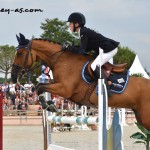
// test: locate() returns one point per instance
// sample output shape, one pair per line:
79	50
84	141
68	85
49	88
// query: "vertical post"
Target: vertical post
1	119
48	97
28	77
62	107
43	79
100	107
109	116
75	110
83	115
123	117
44	128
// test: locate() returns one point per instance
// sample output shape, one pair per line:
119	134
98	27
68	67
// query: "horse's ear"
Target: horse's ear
18	39
22	37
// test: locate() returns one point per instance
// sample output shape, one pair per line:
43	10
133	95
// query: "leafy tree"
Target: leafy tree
2	80
7	56
57	31
124	55
137	75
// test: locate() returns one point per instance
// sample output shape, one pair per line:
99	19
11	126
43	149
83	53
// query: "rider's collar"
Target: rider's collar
79	32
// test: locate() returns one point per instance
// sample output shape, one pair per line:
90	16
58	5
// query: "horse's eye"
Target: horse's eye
19	54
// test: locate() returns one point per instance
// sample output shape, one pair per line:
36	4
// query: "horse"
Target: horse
68	83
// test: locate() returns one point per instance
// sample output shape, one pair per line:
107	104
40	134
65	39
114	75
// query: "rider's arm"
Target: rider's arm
83	45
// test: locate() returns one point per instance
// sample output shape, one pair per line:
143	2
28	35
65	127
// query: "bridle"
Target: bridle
28	49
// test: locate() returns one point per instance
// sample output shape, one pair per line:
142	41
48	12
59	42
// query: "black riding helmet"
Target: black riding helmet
77	18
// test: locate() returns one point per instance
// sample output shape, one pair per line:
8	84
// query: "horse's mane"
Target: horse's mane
44	39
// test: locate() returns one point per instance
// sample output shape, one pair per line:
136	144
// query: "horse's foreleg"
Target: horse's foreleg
40	89
46	104
56	88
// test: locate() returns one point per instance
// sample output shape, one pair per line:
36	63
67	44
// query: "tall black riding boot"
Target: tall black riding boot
97	73
103	76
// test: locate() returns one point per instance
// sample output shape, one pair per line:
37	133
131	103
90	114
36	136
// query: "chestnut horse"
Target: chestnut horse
67	66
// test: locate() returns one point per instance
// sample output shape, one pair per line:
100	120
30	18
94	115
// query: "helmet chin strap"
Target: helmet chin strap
74	27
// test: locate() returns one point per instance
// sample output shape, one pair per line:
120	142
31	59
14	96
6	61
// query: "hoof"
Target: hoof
43	102
39	92
49	106
52	108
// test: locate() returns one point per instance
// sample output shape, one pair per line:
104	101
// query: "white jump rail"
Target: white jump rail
73	120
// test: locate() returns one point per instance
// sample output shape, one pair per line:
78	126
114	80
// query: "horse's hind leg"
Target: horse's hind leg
145	115
142	114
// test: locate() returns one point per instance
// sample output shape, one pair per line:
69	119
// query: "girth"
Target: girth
86	100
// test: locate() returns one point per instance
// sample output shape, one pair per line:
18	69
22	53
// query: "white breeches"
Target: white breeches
105	58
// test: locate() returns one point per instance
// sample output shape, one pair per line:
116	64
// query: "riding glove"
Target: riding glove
66	46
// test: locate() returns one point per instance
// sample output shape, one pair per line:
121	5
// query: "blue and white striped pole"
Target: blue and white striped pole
73	120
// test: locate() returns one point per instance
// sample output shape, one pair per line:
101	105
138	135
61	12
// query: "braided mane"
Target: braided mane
44	39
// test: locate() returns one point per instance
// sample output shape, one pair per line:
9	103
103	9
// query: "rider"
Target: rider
90	40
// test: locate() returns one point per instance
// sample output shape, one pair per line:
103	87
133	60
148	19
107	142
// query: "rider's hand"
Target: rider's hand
66	46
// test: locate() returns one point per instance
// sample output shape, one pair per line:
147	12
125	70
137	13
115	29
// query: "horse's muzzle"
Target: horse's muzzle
15	72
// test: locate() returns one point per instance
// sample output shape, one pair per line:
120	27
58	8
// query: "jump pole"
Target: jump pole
73	120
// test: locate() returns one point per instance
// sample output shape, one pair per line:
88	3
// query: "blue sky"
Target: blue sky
127	21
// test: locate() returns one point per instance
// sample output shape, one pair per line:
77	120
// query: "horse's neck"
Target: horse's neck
44	50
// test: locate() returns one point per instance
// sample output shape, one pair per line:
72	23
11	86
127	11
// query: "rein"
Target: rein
55	58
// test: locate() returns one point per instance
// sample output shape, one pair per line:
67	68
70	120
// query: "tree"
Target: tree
7	56
124	55
57	31
137	75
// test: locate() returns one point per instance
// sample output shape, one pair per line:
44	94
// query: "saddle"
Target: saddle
110	71
108	68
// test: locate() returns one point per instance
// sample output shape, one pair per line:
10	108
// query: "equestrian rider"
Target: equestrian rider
90	41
